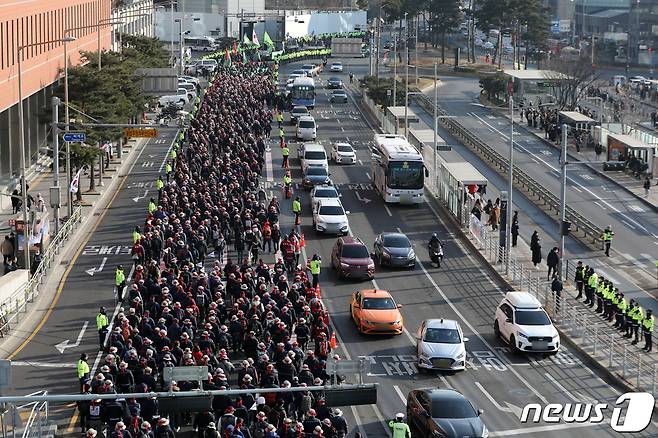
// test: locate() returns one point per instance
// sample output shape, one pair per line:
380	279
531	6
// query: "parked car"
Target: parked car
394	249
350	259
336	66
329	216
190	88
338	96
524	324
443	413
343	153
440	345
375	311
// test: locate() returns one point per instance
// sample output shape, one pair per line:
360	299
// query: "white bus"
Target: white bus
398	170
201	44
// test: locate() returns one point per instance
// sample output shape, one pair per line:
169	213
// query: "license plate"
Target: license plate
540	345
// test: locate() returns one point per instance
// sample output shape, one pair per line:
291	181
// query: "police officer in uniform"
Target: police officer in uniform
597	284
589	292
621	311
101	325
628	322
399	428
607	239
314	265
580	279
647	330
120	281
637	321
83	371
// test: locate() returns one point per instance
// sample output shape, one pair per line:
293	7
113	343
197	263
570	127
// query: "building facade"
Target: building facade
41	25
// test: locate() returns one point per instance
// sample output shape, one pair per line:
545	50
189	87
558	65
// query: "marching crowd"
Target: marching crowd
254	325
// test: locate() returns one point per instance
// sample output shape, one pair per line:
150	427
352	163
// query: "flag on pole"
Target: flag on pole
75	182
235	47
267	40
228	57
245	39
254	38
244	57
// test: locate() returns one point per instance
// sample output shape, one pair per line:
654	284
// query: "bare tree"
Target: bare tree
569	81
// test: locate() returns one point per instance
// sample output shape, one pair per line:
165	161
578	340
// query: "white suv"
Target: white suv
524	324
329	216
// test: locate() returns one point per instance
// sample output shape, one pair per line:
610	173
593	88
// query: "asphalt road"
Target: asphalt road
38	364
464	288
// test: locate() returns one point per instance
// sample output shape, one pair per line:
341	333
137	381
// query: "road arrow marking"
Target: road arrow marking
362	199
62	346
92	271
137	198
513	409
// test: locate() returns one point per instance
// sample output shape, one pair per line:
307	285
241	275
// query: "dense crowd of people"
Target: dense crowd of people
191	303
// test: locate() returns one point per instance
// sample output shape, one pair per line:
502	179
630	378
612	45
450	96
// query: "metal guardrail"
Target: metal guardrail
37	422
579	322
16	304
521	178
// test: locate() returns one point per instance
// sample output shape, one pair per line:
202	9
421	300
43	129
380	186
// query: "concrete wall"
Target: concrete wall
208	25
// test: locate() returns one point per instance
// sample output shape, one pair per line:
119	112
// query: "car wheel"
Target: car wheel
496	329
512	344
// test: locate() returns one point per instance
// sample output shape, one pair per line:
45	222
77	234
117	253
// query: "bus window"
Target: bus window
405	174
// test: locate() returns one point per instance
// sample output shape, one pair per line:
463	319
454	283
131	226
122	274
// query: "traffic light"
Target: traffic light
566	228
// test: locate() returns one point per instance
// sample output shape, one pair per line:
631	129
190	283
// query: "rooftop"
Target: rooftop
534	75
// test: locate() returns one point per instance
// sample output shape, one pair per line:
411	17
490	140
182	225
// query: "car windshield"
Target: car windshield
315	155
405	174
332	210
308	67
442	336
378	303
344	148
397	242
317	170
339	93
326	193
453	408
298	72
300	110
355	252
334	80
336	64
532	317
307	124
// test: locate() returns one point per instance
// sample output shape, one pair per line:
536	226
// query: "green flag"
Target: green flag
267	40
244	57
245	39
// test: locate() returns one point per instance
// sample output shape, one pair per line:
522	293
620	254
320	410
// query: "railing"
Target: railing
522	179
37	422
16	304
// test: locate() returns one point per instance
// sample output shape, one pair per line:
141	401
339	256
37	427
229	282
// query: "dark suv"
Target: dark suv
351	259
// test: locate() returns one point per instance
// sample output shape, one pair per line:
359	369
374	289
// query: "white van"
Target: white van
306	128
177	99
312	154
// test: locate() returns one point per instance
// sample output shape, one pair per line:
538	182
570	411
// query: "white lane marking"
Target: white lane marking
443	379
627	224
493	400
342	129
398	391
26	363
269	174
409	336
535	430
568	393
577	189
368	175
600	205
646	256
575	182
388	210
360	162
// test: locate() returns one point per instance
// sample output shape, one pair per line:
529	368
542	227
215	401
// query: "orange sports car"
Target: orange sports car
375	311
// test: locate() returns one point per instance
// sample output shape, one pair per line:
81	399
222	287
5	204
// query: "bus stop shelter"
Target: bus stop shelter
421	138
623	146
394	119
532	85
460	186
576	120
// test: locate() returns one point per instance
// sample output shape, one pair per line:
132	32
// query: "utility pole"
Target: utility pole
416	47
55	201
510	186
436	119
563	194
379	40
395	70
406	78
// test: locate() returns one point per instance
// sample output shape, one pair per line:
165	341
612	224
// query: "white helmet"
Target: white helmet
399	416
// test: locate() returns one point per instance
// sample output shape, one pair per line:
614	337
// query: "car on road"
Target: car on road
395	250
336	66
443	413
297	112
177	99
440	345
306	128
638	80
343	153
350	259
323	191
292	78
375	311
312	154
189	87
524	324
329	216
338	96
315	175
311	69
334	83
191	79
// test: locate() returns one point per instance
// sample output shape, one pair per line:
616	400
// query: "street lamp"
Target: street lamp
406	76
21	139
180	31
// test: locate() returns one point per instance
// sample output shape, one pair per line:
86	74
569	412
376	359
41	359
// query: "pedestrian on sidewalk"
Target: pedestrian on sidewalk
7	249
535	248
552	261
556	288
41	203
647	187
515	228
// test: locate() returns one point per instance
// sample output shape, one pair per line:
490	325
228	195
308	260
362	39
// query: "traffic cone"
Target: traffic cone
332	341
302	242
318	291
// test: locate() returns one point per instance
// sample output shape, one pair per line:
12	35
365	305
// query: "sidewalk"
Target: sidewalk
627	182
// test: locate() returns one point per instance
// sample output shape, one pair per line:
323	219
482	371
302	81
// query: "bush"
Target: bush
377	90
493	85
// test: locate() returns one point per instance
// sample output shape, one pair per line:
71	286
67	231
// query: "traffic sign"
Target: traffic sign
75	137
188	373
140	132
443	147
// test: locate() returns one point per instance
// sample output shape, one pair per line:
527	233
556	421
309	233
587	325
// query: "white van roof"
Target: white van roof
313	147
522	300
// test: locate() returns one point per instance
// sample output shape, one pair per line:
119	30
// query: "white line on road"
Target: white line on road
360	162
398	391
627	224
568	393
342	129
388	210
577	189
368	175
538	429
21	363
599	204
443	379
268	166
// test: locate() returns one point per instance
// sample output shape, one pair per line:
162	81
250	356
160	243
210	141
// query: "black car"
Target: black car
315	175
394	249
445	413
334	83
338	96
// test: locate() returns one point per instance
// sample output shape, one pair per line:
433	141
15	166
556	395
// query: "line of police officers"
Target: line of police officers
611	304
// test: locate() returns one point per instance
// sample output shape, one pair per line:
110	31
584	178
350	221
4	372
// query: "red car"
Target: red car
351	259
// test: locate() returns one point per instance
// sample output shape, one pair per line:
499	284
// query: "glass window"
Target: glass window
317	171
532	317
392	241
345	148
315	155
326	193
355	252
378	303
332	210
507	310
307	124
405	174
453	407
442	336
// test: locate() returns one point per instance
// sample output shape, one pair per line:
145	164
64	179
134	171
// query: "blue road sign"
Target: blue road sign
75	137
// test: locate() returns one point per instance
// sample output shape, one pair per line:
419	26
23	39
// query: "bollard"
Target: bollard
596	339
623	365
653	380
612	346
639	371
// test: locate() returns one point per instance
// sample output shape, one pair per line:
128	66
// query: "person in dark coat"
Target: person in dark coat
515	228
535	247
553	260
